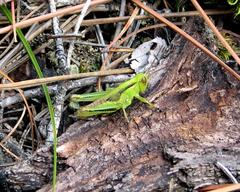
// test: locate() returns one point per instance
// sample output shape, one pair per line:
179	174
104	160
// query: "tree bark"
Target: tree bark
173	146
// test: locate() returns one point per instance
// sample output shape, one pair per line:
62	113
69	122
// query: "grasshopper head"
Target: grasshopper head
142	81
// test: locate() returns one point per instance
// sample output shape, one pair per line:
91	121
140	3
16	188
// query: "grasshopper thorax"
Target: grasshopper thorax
141	81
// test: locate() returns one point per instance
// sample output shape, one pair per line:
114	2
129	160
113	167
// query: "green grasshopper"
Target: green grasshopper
109	101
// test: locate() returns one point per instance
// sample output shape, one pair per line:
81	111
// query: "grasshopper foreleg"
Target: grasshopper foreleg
142	99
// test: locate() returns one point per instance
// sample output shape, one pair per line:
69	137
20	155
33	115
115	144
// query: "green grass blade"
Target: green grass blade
31	55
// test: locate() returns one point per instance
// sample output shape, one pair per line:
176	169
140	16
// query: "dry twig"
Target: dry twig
37	82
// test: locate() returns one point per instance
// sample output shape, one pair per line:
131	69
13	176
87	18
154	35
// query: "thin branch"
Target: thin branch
76	29
62	69
40	81
108	20
100	39
121	13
